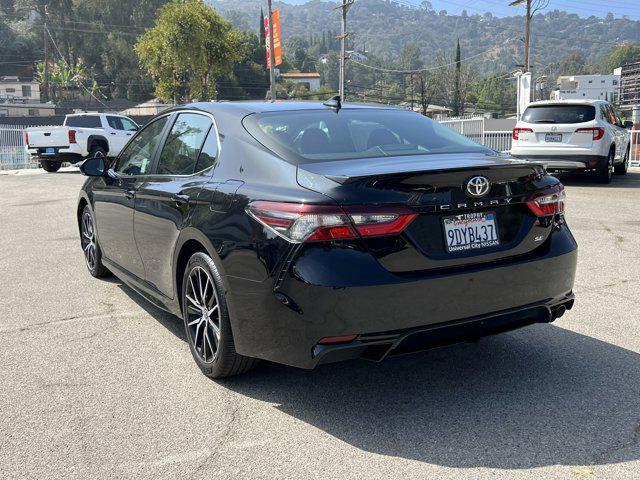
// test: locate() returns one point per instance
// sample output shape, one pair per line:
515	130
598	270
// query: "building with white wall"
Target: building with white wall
594	87
15	90
311	80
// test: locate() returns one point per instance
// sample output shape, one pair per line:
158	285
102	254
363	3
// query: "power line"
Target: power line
427	69
55	45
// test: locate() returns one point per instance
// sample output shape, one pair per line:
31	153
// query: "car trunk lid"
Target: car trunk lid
436	189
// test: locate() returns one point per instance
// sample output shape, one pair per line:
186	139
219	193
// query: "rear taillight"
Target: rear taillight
518	130
597	132
299	223
549	203
72	136
26	138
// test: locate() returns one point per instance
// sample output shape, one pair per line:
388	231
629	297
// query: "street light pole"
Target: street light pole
272	70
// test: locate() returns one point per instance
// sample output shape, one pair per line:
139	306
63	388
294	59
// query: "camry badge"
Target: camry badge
478	186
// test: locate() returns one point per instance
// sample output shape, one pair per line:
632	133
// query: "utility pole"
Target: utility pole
45	33
527	29
343	38
531	6
272	58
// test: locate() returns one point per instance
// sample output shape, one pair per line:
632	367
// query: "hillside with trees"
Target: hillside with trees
405	52
383	27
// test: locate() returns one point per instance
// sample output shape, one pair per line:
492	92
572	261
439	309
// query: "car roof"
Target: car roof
244	108
566	102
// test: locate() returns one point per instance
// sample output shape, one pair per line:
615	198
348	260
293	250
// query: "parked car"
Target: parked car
303	233
574	135
80	136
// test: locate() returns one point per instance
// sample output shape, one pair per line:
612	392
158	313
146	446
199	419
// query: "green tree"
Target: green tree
262	31
621	56
330	71
573	64
188	49
411	57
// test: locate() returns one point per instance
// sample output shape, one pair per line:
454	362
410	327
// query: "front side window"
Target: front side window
181	150
322	135
128	125
136	158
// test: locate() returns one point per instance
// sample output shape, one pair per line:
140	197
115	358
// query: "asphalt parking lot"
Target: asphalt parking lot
95	382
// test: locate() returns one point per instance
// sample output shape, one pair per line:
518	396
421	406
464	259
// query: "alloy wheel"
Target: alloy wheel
203	314
89	240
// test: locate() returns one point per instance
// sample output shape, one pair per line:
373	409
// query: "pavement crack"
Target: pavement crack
61	321
222	440
634	439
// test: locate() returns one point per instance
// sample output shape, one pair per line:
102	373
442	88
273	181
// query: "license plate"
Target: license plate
470	231
553	137
49	150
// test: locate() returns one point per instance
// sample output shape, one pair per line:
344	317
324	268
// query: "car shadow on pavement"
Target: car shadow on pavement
166	319
630	180
536	397
539	396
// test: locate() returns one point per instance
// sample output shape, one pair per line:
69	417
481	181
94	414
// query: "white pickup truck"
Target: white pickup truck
80	136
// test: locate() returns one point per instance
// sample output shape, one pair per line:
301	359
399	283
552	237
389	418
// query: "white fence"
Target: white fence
13	154
634	154
474	128
501	140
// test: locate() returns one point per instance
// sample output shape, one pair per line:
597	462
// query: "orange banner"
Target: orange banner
277	45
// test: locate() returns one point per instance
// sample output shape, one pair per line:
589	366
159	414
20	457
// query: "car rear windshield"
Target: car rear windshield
305	136
84	121
559	114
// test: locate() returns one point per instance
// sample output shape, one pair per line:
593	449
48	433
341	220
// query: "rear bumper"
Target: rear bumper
389	312
71	155
378	346
566	162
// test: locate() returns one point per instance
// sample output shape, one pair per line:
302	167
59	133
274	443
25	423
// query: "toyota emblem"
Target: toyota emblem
478	186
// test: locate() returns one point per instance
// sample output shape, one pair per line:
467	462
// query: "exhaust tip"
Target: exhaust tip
558	312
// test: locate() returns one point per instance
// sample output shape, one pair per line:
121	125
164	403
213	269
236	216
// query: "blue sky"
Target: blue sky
584	8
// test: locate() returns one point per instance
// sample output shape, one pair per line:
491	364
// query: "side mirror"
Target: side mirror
93	167
628	124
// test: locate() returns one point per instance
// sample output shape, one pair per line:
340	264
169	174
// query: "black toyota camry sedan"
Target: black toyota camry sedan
307	233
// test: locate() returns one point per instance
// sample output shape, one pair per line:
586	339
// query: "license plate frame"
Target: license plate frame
553	138
469	226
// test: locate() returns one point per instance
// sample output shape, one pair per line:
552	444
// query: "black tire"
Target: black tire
604	173
50	166
96	151
624	166
90	247
206	321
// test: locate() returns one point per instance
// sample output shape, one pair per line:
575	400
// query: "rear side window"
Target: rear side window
559	114
115	123
323	135
84	121
209	152
181	150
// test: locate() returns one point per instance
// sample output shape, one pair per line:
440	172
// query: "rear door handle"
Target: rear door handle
180	199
